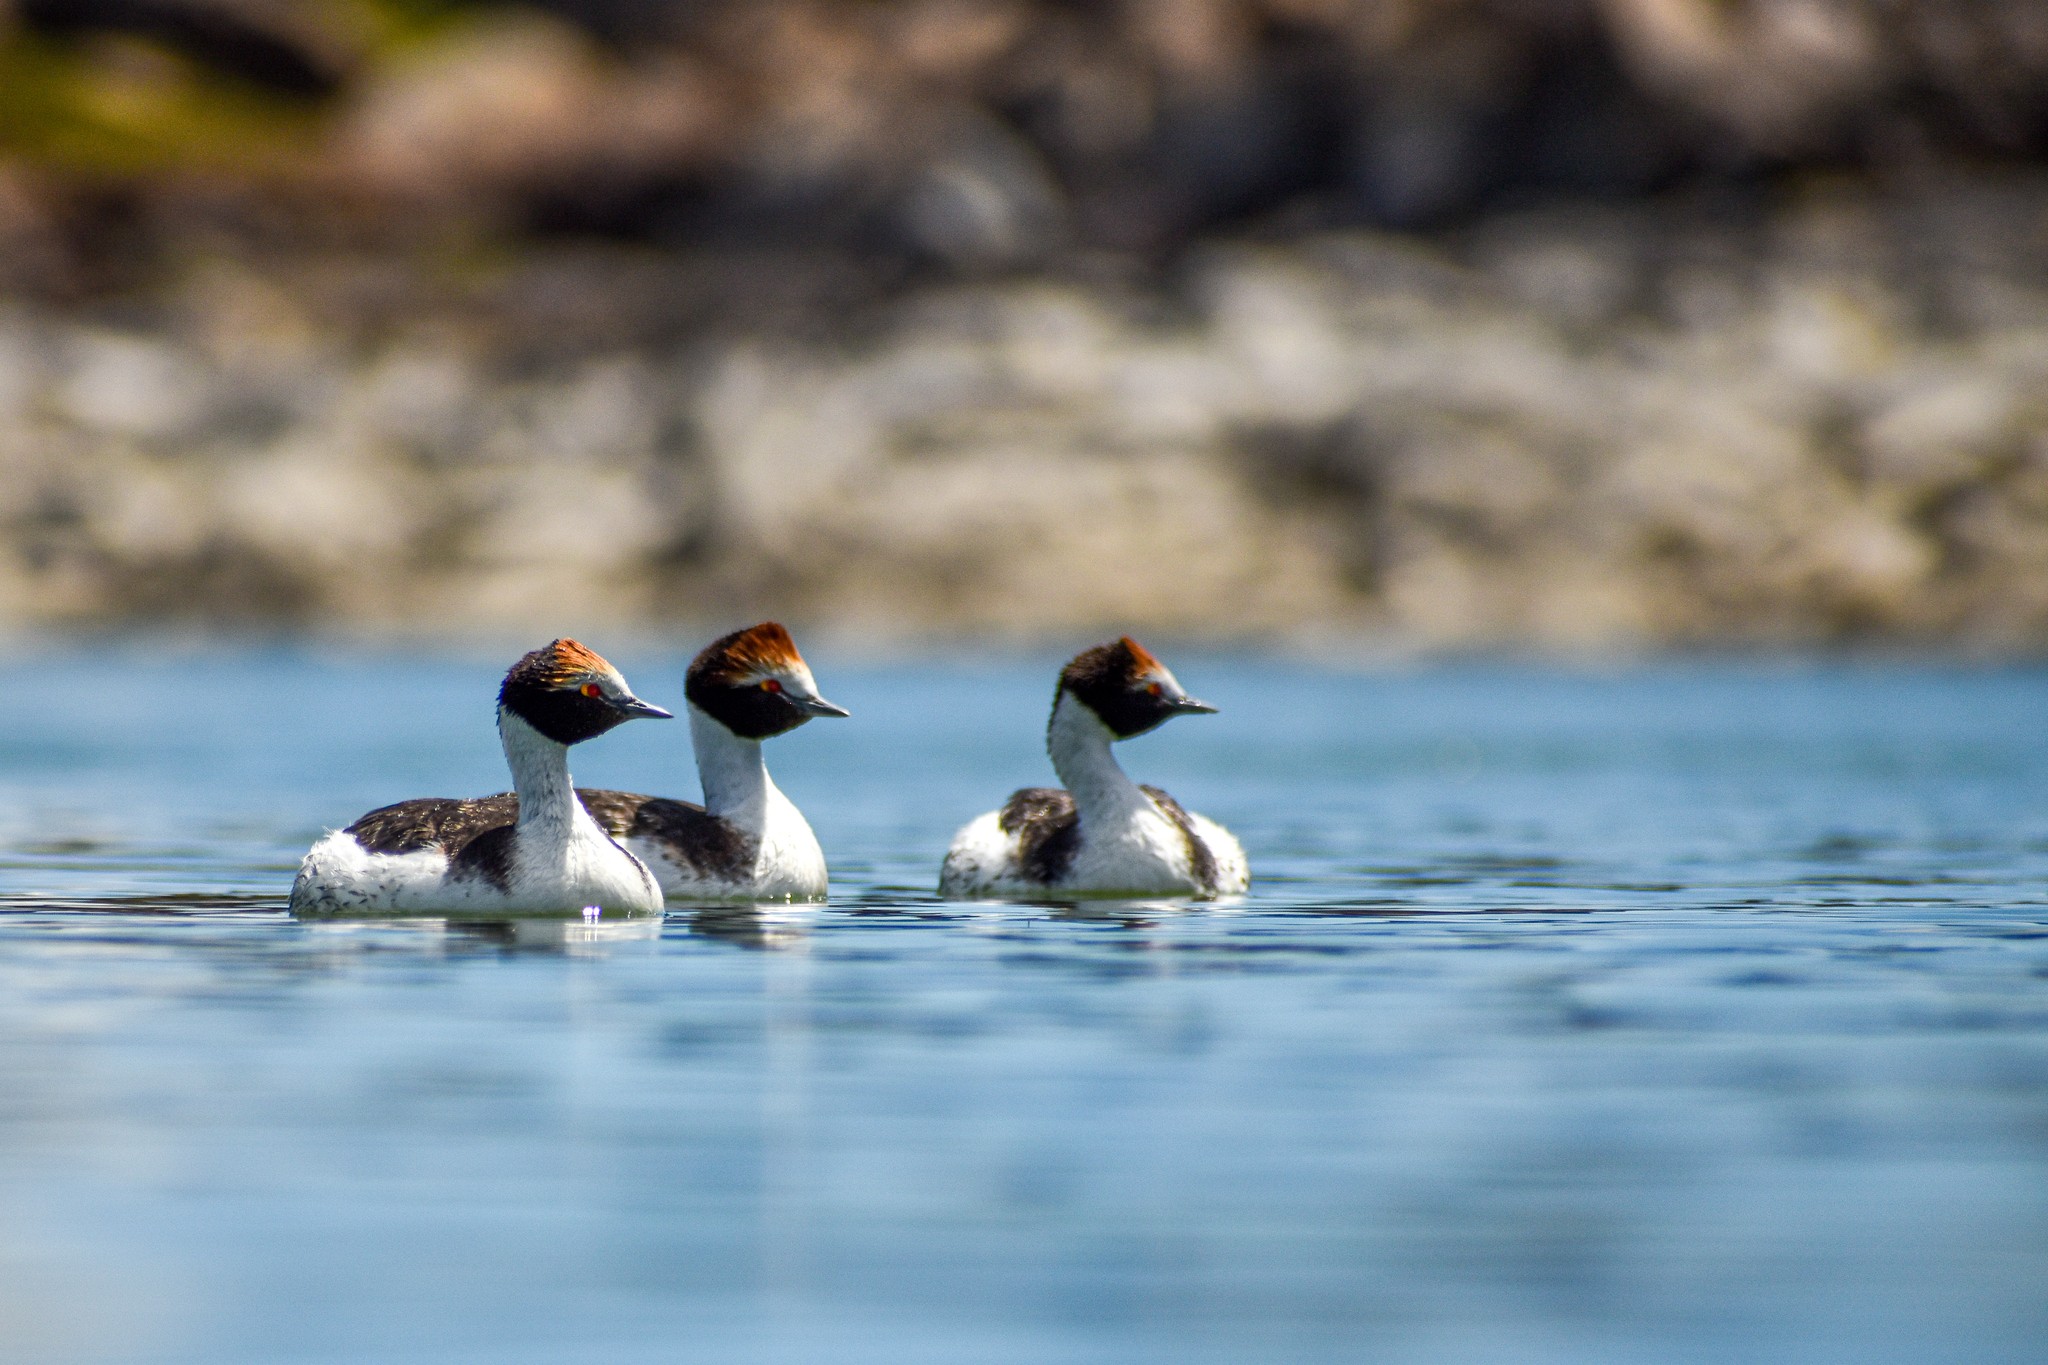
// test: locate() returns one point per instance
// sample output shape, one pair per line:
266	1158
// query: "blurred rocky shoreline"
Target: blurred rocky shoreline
1772	374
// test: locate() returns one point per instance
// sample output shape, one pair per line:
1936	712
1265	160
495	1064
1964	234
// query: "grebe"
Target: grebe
747	841
1103	834
535	849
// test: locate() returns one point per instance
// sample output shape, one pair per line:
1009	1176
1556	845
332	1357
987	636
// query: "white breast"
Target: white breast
340	876
787	864
594	869
1138	851
790	865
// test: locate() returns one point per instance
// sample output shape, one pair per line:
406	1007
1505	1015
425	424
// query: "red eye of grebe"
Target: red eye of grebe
1152	689
770	685
591	690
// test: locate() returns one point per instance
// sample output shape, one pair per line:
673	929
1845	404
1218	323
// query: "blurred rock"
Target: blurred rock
1353	433
986	202
961	132
129	385
1581	323
34	257
296	48
521	109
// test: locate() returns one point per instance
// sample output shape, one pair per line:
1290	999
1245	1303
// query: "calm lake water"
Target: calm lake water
1683	1013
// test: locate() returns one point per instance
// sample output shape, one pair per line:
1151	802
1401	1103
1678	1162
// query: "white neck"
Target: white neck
735	778
548	808
1079	744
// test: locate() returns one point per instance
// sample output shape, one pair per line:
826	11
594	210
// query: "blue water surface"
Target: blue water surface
1695	1012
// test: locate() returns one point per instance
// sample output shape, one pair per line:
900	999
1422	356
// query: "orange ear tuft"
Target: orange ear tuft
1141	658
564	663
765	648
566	660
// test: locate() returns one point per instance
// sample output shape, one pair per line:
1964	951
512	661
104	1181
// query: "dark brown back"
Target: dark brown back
710	847
1047	828
432	822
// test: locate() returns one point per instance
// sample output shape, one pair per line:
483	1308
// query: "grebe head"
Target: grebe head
570	694
1127	688
755	684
